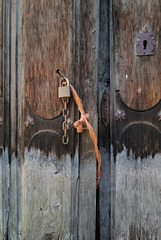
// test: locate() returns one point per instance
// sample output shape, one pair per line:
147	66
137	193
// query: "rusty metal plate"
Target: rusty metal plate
105	108
145	44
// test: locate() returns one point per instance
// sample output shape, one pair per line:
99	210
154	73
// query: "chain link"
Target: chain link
65	125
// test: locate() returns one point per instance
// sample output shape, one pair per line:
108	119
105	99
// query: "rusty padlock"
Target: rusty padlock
64	89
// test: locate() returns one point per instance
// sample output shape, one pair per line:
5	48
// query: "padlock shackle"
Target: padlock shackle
62	78
65	80
60	74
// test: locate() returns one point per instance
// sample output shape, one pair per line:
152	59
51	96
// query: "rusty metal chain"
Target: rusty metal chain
64	93
65	125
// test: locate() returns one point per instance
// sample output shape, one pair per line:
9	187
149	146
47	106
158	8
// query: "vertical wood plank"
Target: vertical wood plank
103	195
20	93
139	74
46	196
48	171
48	34
1	48
12	222
89	86
6	90
44	188
136	173
76	84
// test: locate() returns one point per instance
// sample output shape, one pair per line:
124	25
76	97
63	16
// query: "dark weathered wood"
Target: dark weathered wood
42	180
103	196
1	48
14	212
136	163
1	122
4	166
105	108
89	30
48	183
48	191
48	47
136	77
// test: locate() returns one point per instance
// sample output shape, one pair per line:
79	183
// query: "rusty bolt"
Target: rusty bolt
29	123
120	115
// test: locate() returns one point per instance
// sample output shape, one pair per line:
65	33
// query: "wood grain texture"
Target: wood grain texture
141	139
105	108
1	123
1	200
47	183
48	47
89	30
135	168
103	193
138	197
46	194
49	173
137	78
1	48
5	108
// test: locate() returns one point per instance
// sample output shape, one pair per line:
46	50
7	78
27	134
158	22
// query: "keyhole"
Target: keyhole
145	44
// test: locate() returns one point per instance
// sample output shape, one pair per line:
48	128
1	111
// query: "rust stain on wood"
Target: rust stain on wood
137	78
47	37
105	108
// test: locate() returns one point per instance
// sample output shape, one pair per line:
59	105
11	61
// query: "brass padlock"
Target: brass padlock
64	89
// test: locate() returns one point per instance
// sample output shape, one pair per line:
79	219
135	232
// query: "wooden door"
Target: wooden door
48	190
129	196
136	146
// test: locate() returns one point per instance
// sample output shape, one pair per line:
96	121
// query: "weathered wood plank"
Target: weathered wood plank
89	31
1	48
136	77
44	183
13	221
135	170
46	196
49	173
5	169
103	195
137	205
48	47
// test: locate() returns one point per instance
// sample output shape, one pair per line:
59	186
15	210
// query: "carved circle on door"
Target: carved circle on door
142	139
48	141
47	41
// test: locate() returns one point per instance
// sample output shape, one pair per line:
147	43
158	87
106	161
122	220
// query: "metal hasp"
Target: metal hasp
145	44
